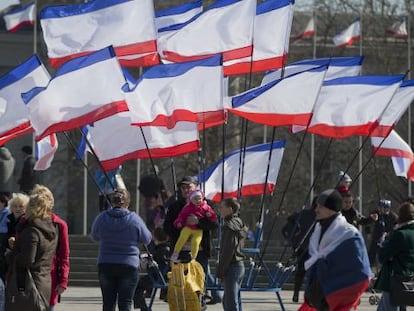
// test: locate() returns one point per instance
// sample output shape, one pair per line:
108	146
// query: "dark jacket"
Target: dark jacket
297	226
29	177
397	255
206	225
34	249
7	164
234	233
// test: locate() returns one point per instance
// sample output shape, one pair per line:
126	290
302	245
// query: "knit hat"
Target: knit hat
331	199
194	193
343	177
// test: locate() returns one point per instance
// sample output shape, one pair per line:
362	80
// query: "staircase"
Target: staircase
84	254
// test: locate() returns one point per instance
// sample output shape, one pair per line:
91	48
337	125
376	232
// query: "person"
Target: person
107	183
119	231
348	210
396	255
160	251
199	208
186	184
28	177
383	220
344	182
17	205
7	167
35	245
230	268
297	232
337	269
60	265
4	213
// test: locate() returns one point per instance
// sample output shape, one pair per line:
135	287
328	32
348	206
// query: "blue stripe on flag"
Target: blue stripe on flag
20	71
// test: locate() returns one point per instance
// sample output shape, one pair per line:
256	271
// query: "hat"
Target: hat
186	180
194	193
27	149
331	199
343	177
384	203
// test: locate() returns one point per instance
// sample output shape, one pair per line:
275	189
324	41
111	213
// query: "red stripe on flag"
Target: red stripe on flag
247	190
256	66
18	131
341	131
349	42
347	298
274	119
388	152
18	26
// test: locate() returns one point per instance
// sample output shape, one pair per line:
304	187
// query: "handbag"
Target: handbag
401	290
27	298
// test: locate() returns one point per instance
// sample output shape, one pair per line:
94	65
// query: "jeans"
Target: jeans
202	258
232	280
118	282
385	303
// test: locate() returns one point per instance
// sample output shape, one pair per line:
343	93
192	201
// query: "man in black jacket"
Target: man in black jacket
28	177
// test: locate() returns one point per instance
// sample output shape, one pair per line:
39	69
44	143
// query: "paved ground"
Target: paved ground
89	299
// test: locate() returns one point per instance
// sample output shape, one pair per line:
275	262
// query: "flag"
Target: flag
226	27
163	97
399	29
308	32
14	115
281	102
45	152
19	17
177	15
68	102
352	105
399	104
338	67
271	34
254	172
75	30
4	4
349	35
116	141
400	152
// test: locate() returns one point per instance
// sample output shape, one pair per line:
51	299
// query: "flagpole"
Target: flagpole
409	77
85	193
360	142
312	159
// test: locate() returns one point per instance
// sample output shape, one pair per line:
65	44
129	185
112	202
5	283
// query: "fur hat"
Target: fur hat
330	199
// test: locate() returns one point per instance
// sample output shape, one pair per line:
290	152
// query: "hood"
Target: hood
116	219
46	226
5	154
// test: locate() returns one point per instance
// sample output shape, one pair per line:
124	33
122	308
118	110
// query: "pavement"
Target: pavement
89	299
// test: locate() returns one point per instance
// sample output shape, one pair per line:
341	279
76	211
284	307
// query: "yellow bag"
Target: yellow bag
185	286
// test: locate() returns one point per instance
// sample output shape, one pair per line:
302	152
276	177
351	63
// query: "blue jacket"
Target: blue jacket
119	232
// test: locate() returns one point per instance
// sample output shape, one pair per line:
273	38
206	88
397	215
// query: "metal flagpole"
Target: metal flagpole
360	138
408	9
312	159
85	193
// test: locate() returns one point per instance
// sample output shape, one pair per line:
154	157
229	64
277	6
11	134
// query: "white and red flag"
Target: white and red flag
281	102
338	67
20	17
352	105
257	159
168	93
400	152
79	29
399	104
271	34
226	27
399	29
14	115
83	90
115	140
308	32
45	152
349	35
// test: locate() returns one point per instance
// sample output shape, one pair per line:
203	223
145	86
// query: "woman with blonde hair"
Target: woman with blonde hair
34	247
17	205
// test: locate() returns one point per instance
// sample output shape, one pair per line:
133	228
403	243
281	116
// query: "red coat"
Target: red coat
201	211
62	257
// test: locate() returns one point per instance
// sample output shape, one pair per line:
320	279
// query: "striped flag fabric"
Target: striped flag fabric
281	102
272	26
226	27
79	29
163	97
14	115
399	29
400	152
256	159
45	152
348	36
308	32
115	140
399	104
338	67
67	102
352	105
17	18
5	4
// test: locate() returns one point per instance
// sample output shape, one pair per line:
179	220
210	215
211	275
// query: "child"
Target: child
199	208
230	268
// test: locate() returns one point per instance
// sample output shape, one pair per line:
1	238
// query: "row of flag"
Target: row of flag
352	33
